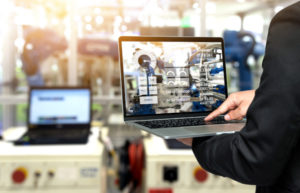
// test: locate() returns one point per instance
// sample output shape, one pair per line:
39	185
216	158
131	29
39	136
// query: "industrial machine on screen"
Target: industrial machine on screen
172	77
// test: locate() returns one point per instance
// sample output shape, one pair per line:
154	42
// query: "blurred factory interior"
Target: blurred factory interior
60	43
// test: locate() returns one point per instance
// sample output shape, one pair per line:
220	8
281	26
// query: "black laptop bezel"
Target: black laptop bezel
165	39
32	127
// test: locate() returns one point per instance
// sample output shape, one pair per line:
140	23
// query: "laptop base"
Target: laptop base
173	144
193	131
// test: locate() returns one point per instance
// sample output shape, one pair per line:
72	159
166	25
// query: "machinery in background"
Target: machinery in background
137	162
39	45
96	46
98	64
98	67
123	156
128	161
167	31
60	168
239	47
177	171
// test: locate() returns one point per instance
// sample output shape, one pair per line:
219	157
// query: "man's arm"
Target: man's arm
259	152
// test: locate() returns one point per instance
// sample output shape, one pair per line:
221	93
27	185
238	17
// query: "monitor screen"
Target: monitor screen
59	106
172	77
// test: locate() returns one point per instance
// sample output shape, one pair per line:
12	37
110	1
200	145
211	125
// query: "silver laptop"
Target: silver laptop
169	85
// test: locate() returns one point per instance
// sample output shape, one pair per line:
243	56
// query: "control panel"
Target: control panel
49	168
169	171
38	173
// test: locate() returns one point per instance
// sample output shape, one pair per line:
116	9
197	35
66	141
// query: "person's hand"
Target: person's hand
236	105
186	141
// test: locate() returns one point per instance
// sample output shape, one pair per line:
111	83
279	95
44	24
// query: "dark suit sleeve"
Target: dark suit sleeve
259	153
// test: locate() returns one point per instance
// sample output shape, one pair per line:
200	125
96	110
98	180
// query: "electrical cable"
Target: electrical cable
136	160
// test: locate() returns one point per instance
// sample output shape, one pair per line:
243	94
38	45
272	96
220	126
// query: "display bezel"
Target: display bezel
164	39
58	126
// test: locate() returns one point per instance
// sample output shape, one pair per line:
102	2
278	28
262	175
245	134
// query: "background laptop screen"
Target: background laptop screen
172	77
59	106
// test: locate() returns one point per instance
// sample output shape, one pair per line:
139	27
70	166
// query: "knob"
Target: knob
200	174
51	173
37	174
19	175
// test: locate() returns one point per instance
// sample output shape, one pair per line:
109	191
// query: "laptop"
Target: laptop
170	84
58	115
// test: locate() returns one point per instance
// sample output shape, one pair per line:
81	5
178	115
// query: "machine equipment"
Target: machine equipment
176	170
39	45
98	64
55	168
239	46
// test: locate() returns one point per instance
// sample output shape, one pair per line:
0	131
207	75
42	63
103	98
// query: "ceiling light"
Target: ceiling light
195	5
88	19
211	7
88	27
99	19
127	19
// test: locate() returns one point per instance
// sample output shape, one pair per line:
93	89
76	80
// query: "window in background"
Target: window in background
217	24
254	23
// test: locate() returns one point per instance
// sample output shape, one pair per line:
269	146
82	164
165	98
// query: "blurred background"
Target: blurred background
74	42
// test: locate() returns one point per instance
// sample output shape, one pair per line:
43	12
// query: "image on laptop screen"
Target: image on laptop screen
59	106
172	77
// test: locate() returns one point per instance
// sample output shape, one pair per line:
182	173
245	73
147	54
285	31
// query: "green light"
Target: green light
186	22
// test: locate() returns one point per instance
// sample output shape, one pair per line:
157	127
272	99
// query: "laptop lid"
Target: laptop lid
165	77
59	107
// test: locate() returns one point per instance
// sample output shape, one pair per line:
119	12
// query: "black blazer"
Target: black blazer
266	152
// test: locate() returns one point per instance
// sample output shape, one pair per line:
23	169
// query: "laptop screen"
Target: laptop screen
171	77
59	106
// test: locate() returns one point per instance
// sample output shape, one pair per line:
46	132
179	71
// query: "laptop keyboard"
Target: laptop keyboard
58	134
156	124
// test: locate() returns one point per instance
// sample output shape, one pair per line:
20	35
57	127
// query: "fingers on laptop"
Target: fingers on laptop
226	106
231	103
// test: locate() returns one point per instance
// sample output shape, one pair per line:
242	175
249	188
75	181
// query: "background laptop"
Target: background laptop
169	84
58	116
